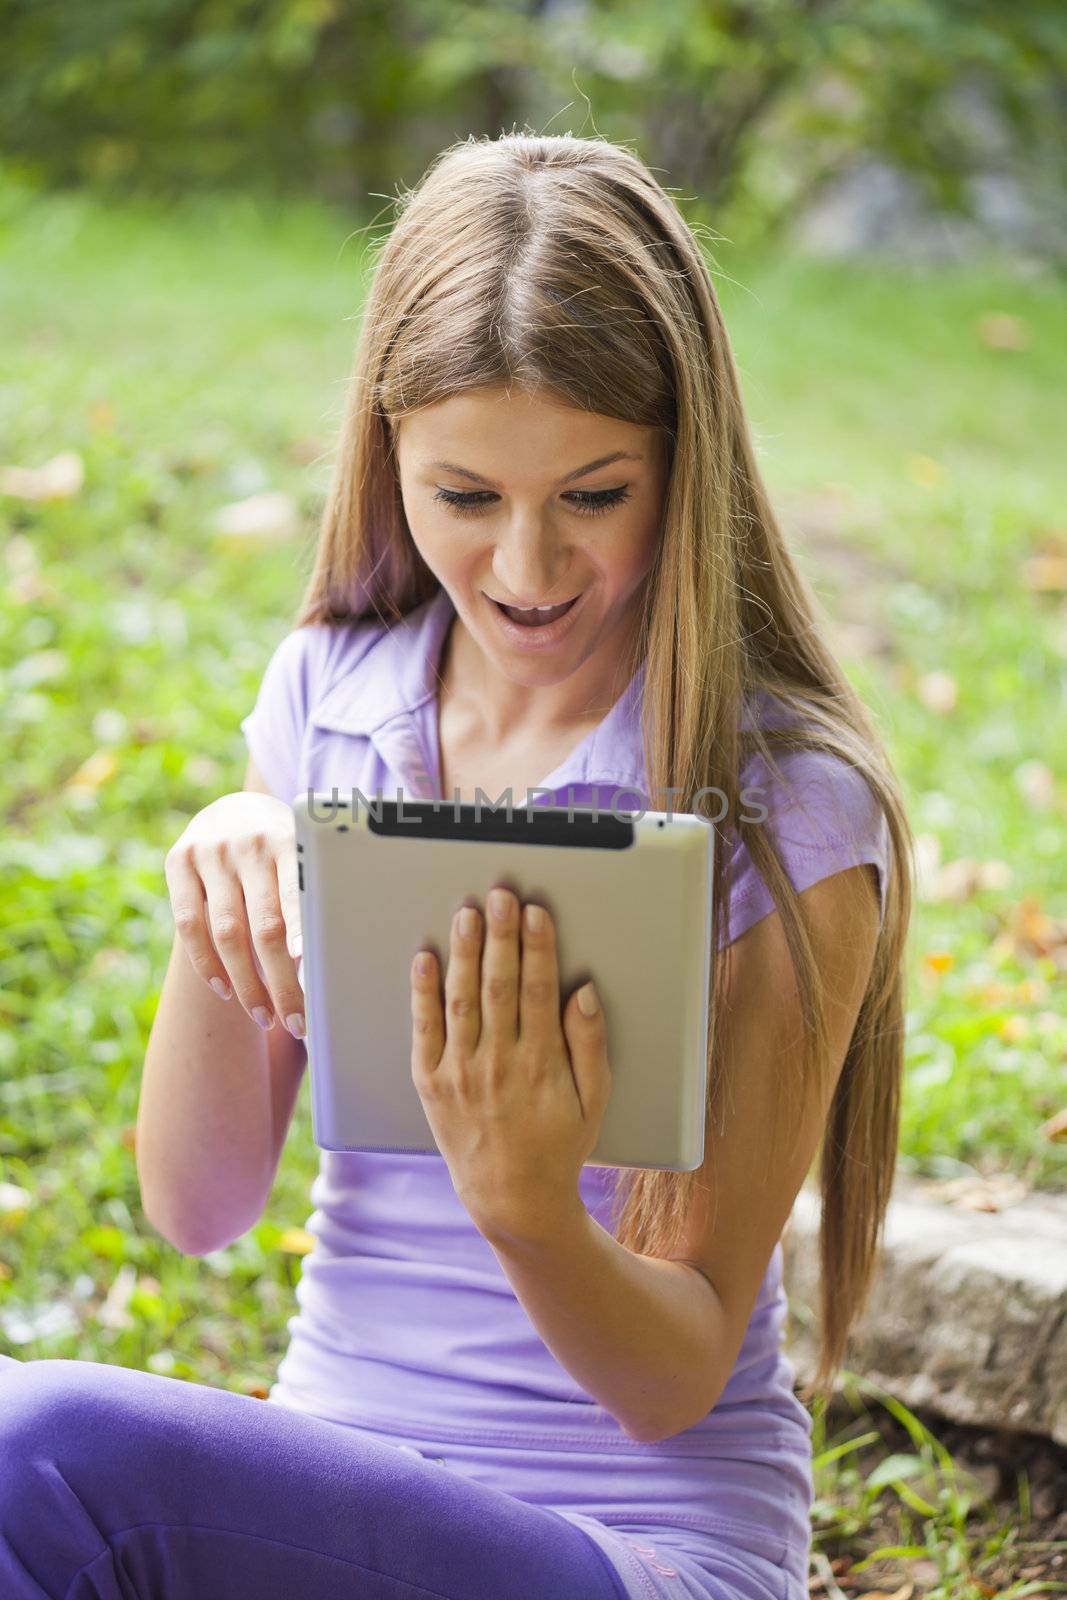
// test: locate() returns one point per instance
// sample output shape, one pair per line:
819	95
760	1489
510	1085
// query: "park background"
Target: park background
187	194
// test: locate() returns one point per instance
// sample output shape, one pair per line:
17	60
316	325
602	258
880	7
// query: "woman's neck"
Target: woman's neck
505	710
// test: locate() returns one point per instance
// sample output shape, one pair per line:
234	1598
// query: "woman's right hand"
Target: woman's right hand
232	878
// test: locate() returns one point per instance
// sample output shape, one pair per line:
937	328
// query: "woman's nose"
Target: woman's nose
530	569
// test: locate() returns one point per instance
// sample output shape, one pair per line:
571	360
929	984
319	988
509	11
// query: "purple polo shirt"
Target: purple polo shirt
408	1329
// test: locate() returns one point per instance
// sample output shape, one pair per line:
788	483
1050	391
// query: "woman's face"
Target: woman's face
509	498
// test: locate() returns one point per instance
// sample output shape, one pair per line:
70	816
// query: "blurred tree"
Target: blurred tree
764	102
750	104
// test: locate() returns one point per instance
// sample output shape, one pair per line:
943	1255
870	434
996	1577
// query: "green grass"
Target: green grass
886	1518
184	356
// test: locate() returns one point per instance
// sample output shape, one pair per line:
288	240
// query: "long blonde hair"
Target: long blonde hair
560	264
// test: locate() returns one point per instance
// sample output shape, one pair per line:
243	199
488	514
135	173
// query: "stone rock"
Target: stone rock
967	1315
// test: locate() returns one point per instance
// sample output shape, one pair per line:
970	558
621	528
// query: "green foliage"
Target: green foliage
745	106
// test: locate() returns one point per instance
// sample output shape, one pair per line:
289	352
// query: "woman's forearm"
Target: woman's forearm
645	1337
213	1112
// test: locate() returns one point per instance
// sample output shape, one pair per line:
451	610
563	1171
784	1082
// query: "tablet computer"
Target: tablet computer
630	899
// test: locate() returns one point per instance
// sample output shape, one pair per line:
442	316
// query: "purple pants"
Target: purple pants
116	1484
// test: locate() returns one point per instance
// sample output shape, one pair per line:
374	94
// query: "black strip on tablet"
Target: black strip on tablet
576	826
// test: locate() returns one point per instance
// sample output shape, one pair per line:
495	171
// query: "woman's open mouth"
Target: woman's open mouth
536	628
536	616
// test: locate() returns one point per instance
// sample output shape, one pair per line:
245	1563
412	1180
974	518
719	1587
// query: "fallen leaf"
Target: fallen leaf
305	451
856	641
991	1195
925	470
959	880
202	770
1055	1127
1036	783
102	416
827	1579
939	691
1025	992
100	767
1046	574
40	666
113	1313
109	959
270	515
58	479
20	554
1001	330
1029	931
975	1193
296	1241
29	588
955	880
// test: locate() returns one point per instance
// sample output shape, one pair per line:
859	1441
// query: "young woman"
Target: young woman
513	1374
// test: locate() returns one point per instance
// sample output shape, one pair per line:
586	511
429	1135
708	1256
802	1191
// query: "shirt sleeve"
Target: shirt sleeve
275	728
823	818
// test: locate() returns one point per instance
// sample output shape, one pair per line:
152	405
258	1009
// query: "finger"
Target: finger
261	868
227	917
189	904
586	1035
539	983
462	1009
285	865
427	1015
500	967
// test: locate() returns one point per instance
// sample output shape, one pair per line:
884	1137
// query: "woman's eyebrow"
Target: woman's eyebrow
579	472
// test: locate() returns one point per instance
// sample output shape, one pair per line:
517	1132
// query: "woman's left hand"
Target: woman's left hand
515	1099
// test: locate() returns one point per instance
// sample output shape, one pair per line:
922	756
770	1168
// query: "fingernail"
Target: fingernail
295	1023
535	918
263	1017
468	921
587	1001
498	904
223	990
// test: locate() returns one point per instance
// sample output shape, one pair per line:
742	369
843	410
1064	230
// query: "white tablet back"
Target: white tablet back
631	902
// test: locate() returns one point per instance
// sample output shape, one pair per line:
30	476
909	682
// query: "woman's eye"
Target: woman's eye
588	501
